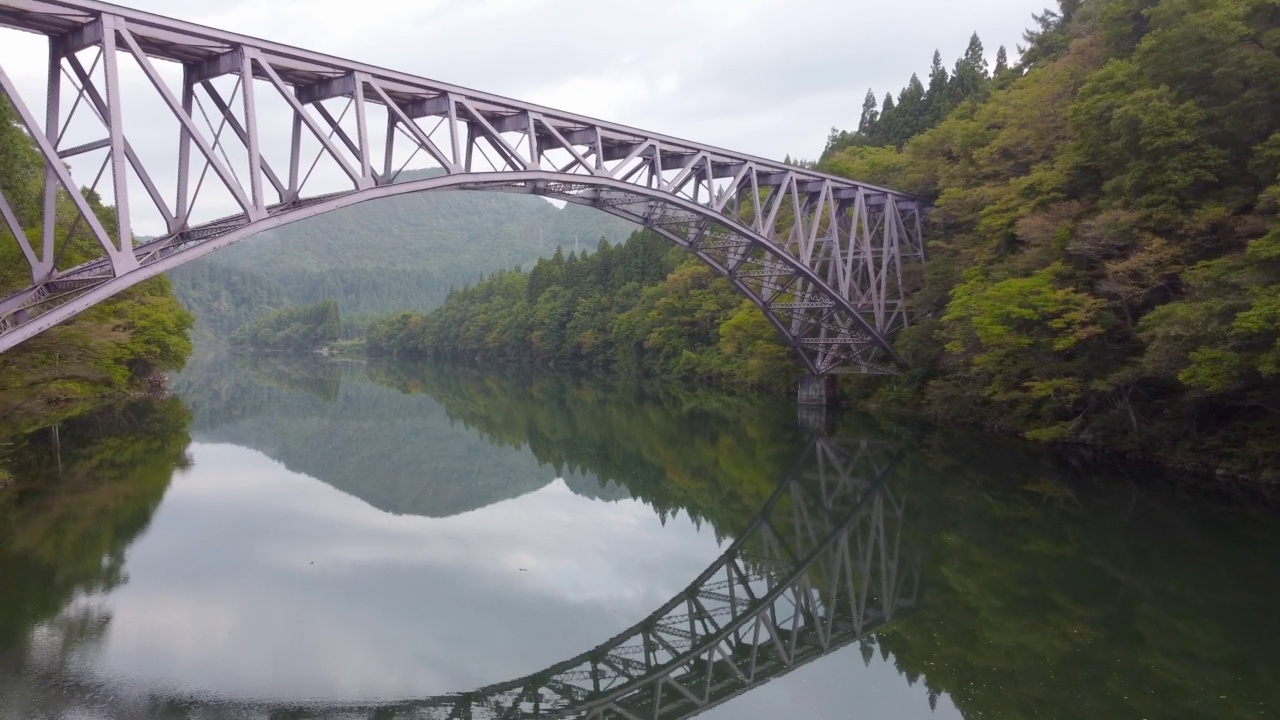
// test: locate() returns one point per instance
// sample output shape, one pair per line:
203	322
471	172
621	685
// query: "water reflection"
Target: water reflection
482	531
85	491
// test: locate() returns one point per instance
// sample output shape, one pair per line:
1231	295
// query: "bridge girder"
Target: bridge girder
822	256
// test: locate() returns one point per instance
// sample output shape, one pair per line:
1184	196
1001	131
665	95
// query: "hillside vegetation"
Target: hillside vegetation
1104	251
398	253
292	329
643	307
112	349
1105	255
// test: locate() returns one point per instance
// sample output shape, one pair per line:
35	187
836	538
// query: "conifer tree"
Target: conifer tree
936	102
970	75
910	112
882	131
870	112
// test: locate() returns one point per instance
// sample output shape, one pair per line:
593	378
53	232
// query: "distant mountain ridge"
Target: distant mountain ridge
400	253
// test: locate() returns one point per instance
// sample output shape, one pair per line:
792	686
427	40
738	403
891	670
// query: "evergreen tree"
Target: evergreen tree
970	75
936	102
1002	62
1049	39
910	112
883	130
870	113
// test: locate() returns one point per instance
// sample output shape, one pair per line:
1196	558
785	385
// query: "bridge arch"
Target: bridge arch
821	256
569	188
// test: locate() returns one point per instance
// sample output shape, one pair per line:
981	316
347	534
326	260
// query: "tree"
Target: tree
870	113
970	74
1050	37
910	115
936	102
885	127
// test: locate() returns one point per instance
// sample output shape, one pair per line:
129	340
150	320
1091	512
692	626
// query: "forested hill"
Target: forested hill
117	347
398	253
1104	250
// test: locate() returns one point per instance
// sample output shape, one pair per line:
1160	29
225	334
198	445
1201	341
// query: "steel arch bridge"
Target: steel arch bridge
819	567
821	256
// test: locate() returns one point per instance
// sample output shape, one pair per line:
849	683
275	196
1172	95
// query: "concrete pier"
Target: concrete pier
815	398
821	390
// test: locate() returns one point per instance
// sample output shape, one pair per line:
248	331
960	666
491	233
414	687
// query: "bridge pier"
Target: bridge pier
823	390
815	396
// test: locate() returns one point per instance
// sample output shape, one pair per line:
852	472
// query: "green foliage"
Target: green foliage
296	329
405	252
918	108
1105	247
83	490
1022	337
639	307
225	298
117	347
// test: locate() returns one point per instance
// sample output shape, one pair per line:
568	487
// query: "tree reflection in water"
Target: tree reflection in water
1042	590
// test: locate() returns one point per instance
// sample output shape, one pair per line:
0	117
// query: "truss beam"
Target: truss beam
824	257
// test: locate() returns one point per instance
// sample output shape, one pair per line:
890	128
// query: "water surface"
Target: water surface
399	540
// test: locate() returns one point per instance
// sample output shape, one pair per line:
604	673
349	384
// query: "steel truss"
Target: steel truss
818	568
823	257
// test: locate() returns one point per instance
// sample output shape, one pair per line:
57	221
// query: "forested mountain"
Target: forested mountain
115	347
1105	255
1104	250
381	256
643	307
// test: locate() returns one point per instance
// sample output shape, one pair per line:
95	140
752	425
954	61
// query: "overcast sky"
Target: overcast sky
766	77
763	76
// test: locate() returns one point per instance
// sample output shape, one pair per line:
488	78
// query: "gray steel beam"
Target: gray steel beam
831	238
215	67
342	86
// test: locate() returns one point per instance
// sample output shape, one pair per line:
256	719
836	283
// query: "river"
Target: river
301	538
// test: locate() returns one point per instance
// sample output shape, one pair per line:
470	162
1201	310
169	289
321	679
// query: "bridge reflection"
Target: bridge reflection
818	567
815	570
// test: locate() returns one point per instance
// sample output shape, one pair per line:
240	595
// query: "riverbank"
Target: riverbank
1203	474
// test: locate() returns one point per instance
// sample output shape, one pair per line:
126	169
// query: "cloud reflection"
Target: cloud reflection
260	583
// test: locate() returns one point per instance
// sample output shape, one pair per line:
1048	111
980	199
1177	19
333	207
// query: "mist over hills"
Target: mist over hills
399	253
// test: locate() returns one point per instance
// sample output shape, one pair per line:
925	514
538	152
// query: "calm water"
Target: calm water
301	539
